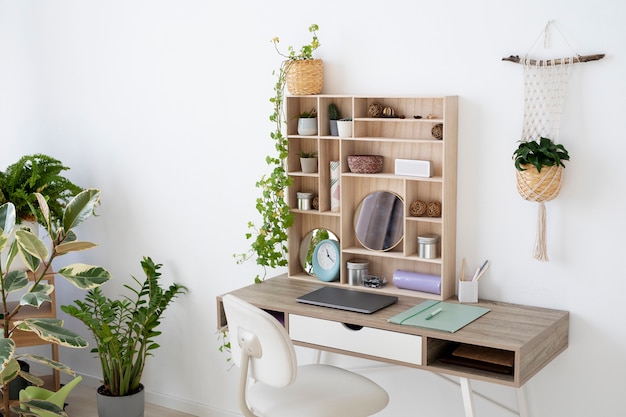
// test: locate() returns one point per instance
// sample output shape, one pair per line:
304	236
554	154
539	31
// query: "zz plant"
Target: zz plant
125	328
269	238
34	292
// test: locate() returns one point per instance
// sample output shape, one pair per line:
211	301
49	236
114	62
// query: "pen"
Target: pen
433	314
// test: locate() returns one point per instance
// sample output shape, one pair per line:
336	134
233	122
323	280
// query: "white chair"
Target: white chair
273	385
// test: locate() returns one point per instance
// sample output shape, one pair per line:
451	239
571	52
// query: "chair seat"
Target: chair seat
319	391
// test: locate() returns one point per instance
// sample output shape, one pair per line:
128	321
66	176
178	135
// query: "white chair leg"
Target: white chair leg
466	392
521	402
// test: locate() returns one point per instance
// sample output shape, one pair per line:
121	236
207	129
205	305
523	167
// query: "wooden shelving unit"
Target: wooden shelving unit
393	138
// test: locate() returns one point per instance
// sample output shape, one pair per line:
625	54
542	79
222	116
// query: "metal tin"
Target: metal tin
304	201
357	270
428	246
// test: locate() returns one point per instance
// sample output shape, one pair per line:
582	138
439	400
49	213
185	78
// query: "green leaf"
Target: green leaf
75	246
32	245
51	330
47	362
7	217
35	299
37	406
7	350
15	281
80	208
9	371
85	276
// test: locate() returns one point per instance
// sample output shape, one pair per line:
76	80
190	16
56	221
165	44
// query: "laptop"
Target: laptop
344	299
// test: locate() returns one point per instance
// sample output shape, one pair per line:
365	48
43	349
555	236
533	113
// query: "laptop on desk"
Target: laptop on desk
350	300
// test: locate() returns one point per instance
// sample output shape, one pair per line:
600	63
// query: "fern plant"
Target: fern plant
125	328
41	174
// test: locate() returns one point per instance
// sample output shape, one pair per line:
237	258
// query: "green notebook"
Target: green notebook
439	315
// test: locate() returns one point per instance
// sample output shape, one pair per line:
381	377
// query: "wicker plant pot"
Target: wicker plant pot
305	77
539	186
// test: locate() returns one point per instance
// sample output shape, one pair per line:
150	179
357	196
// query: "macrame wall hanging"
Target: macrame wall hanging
545	86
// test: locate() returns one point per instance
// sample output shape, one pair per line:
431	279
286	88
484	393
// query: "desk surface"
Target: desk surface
533	336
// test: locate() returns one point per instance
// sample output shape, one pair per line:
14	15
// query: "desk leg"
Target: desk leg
466	391
521	402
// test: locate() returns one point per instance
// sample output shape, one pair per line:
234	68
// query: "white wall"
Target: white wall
145	100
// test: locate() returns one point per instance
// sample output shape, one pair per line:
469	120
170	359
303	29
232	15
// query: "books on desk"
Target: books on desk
439	315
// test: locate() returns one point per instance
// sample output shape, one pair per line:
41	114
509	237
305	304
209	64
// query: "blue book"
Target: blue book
440	315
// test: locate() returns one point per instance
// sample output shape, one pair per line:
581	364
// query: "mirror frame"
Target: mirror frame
307	245
379	236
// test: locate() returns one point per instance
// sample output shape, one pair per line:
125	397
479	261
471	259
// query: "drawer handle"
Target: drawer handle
354	327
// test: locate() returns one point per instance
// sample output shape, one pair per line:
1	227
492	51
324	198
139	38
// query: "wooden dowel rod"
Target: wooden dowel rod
580	58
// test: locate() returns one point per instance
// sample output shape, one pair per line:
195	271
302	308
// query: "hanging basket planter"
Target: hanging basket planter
305	77
537	186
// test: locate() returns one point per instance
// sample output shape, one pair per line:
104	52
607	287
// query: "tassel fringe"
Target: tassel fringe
541	247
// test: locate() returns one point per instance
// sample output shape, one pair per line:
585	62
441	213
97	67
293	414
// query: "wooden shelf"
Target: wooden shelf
393	138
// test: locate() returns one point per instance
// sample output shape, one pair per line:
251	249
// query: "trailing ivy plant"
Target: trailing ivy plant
269	239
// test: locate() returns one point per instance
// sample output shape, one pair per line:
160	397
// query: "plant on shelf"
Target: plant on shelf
311	114
333	116
124	329
33	288
304	154
32	174
269	239
539	154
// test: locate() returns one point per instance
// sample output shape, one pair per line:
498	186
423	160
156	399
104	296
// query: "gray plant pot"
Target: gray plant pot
333	128
128	406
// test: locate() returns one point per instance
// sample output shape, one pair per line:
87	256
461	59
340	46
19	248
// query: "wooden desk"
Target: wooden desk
531	336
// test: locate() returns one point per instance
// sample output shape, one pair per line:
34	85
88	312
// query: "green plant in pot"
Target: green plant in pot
125	330
539	170
33	288
269	237
41	174
307	123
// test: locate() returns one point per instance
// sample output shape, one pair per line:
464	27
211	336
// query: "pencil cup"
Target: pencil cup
468	291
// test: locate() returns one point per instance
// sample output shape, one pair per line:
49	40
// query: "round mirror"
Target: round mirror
379	221
307	246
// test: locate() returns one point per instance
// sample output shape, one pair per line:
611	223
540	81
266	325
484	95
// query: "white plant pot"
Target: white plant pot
344	128
307	126
309	165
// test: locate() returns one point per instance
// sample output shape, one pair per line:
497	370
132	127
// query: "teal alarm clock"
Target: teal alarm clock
326	260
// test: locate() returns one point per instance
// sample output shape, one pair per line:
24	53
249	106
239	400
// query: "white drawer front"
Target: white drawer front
367	341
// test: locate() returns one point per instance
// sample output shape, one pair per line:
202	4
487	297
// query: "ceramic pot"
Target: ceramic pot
128	406
344	128
307	126
309	165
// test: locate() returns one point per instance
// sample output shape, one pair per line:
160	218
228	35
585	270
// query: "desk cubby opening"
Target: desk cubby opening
471	359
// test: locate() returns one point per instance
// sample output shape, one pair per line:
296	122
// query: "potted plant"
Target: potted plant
539	170
303	74
36	291
333	116
531	158
344	127
41	174
308	161
125	330
307	123
269	239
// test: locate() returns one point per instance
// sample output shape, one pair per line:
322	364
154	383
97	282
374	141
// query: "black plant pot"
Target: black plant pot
19	383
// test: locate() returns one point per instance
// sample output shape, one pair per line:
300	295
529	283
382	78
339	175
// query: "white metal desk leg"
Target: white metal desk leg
521	402
466	391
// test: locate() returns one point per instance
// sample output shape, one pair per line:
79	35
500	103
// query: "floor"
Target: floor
82	403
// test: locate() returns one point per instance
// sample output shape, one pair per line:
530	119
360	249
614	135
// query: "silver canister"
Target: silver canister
357	270
428	246
304	201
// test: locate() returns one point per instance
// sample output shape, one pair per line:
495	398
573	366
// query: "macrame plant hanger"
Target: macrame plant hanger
545	86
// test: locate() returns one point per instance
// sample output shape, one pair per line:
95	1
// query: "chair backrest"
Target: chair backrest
275	362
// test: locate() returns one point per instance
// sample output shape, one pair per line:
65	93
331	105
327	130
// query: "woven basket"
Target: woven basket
365	164
305	77
539	186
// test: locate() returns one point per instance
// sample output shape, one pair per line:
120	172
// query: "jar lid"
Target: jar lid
357	264
304	195
428	238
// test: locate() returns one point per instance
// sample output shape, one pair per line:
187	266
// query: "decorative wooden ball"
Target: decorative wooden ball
417	208
434	209
388	112
316	203
437	131
375	110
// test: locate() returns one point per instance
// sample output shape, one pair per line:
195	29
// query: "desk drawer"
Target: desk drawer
367	341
